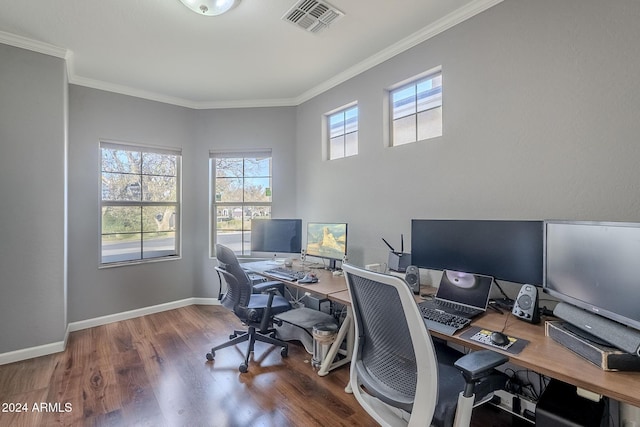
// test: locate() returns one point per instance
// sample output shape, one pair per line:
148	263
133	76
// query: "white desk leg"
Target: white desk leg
346	330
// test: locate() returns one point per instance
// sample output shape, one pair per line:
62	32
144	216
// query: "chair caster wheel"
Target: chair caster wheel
243	368
272	334
284	352
211	355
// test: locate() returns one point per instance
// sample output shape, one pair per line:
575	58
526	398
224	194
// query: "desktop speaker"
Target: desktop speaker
412	277
618	335
526	305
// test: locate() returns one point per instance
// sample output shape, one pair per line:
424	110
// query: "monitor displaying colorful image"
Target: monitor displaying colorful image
327	240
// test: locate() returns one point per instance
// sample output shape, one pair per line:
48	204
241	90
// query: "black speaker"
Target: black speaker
526	305
616	334
412	277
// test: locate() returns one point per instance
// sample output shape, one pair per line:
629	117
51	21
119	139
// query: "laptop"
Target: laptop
462	294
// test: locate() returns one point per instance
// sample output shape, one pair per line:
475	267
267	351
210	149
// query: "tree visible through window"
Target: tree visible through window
241	190
416	110
140	203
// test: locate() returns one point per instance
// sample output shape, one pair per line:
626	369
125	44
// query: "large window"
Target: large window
416	110
343	133
241	191
140	203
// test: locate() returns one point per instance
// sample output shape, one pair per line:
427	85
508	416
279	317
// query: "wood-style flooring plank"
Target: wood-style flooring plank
152	371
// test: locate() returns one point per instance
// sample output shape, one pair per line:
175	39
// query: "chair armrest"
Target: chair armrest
479	364
266	314
274	285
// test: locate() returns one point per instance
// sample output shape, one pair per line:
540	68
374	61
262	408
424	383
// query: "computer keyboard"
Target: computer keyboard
439	321
285	273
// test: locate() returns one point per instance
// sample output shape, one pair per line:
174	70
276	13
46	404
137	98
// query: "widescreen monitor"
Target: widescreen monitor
595	266
507	250
276	236
327	240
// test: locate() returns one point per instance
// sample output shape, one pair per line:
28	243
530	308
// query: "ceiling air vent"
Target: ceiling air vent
312	15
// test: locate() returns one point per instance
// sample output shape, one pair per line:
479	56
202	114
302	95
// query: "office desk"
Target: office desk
327	286
542	354
547	357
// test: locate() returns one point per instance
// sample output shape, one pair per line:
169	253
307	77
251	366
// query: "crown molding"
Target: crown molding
454	18
33	45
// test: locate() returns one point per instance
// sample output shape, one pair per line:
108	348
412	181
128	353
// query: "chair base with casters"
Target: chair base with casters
251	335
254	310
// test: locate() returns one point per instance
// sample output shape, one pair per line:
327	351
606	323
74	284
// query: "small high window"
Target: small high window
416	110
343	133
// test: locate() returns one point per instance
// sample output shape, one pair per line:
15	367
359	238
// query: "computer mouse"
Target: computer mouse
308	278
498	338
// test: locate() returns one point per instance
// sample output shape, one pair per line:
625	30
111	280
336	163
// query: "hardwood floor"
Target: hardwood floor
152	371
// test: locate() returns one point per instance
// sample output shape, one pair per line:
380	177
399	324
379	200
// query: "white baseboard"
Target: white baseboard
31	352
56	347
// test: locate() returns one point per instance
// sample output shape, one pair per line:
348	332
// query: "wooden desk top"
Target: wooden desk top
546	356
327	283
542	354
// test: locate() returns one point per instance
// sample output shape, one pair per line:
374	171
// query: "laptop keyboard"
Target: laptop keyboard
439	321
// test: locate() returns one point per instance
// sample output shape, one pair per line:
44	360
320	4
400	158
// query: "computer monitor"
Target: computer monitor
327	240
276	236
507	250
594	266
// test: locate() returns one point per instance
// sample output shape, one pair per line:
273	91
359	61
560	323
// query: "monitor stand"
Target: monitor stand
332	265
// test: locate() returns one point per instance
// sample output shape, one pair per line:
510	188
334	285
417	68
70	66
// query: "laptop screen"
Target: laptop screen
471	290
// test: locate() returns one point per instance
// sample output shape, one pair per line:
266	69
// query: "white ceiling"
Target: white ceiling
160	50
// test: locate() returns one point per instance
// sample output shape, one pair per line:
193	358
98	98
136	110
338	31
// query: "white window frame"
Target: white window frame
415	111
345	132
175	221
216	205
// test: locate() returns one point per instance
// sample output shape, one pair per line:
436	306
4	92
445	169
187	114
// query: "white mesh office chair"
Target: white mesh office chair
396	363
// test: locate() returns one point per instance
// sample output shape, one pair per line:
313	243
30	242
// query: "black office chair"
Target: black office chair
227	260
396	363
255	310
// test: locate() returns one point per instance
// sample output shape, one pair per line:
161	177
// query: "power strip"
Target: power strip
515	404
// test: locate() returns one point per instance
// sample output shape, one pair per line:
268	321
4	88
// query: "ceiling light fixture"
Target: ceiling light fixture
210	7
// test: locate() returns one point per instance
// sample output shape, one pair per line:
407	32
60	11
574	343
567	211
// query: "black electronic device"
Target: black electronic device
526	305
594	268
499	338
412	277
507	250
327	240
276	236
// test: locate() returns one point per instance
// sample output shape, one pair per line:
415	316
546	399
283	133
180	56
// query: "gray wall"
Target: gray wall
32	192
540	102
96	115
236	129
540	121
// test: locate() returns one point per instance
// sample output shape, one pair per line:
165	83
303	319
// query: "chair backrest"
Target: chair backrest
393	357
239	287
228	260
236	298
